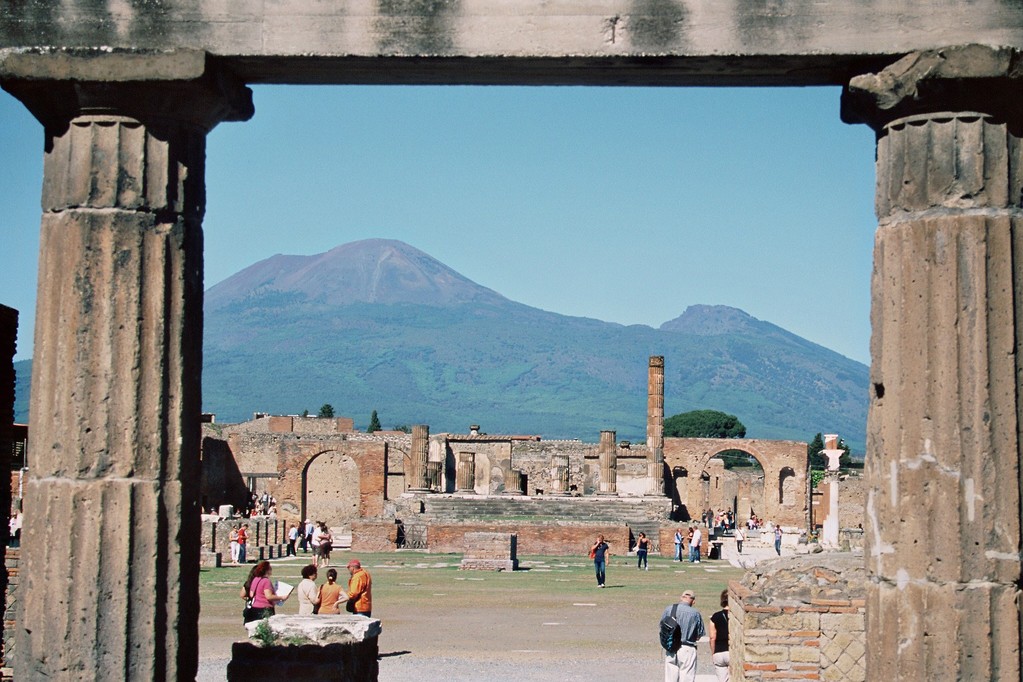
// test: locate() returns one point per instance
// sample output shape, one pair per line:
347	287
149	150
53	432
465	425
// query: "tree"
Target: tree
404	428
327	410
704	424
374	423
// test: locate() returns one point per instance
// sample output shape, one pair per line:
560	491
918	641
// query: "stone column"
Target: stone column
418	482
834	454
512	482
465	474
943	450
559	474
655	425
608	457
433	475
112	513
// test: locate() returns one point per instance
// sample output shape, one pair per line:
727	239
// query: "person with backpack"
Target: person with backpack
681	626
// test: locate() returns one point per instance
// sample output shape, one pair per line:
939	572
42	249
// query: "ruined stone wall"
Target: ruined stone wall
12	563
8	347
534	459
800	618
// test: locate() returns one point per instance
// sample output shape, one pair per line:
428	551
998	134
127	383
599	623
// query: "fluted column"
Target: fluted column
943	449
112	528
608	457
418	482
465	474
559	474
655	425
433	475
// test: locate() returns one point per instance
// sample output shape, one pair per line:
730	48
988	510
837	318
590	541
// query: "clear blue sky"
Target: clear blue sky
621	204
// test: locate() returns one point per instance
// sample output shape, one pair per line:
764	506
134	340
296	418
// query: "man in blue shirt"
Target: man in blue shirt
680	666
600	552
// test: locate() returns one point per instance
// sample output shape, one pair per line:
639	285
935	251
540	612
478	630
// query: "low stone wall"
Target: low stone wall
551	539
800	618
374	536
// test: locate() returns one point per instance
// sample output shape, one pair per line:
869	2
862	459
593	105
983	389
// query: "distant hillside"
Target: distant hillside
379	325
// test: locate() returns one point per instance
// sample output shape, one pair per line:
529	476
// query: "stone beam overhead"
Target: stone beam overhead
794	42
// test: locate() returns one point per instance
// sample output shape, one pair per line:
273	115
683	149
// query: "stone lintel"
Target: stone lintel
101	64
962	78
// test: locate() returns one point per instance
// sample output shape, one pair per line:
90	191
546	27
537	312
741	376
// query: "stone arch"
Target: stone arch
331	488
761	496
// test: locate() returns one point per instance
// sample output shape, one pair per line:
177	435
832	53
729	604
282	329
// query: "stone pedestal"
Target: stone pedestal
943	451
490	552
308	649
115	400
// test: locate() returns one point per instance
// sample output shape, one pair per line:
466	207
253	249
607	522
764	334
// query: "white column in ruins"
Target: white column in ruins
942	524
608	458
465	473
655	425
418	475
831	525
112	530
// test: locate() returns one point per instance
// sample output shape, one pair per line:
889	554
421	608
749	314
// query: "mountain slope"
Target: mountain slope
380	325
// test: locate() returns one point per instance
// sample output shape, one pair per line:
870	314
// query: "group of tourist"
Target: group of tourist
688	543
687	623
315	537
239	538
262	595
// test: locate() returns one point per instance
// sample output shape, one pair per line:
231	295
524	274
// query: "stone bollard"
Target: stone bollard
308	649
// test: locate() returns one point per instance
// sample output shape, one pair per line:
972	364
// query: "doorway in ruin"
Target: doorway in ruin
331	489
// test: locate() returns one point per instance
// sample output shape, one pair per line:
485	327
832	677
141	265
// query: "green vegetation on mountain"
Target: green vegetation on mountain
704	424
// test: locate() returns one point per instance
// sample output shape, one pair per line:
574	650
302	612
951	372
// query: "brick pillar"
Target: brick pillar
111	499
943	450
655	425
608	457
465	474
418	479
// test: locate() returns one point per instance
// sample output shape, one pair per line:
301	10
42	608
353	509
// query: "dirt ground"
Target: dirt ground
547	621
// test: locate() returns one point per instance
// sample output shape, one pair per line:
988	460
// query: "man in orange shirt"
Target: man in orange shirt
360	594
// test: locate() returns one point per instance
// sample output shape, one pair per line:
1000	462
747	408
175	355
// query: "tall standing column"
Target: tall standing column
943	449
655	425
418	482
111	501
608	457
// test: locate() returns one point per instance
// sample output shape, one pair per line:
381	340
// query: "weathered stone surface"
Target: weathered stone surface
342	629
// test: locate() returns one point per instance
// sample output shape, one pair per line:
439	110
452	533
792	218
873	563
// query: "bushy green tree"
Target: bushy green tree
374	423
704	424
404	428
327	410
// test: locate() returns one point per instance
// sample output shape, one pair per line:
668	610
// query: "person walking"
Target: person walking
739	537
642	548
233	538
777	539
292	539
694	546
680	666
360	590
600	553
678	545
718	632
243	539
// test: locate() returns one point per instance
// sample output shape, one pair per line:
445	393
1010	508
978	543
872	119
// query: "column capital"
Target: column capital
201	102
968	78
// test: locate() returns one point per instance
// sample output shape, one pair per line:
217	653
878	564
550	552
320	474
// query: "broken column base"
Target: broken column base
307	649
490	552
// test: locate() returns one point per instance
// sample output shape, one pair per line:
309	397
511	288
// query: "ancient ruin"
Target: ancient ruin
127	93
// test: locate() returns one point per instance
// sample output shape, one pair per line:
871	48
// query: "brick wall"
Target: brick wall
800	619
12	561
554	539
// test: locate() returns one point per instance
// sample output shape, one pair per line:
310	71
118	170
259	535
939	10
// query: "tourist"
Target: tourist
308	592
326	544
739	537
680	666
314	542
262	592
15	528
308	535
777	539
247	614
243	539
292	538
233	537
718	632
331	595
360	592
678	545
694	546
642	547
600	553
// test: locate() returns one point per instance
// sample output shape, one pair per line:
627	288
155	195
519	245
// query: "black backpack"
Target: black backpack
670	632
